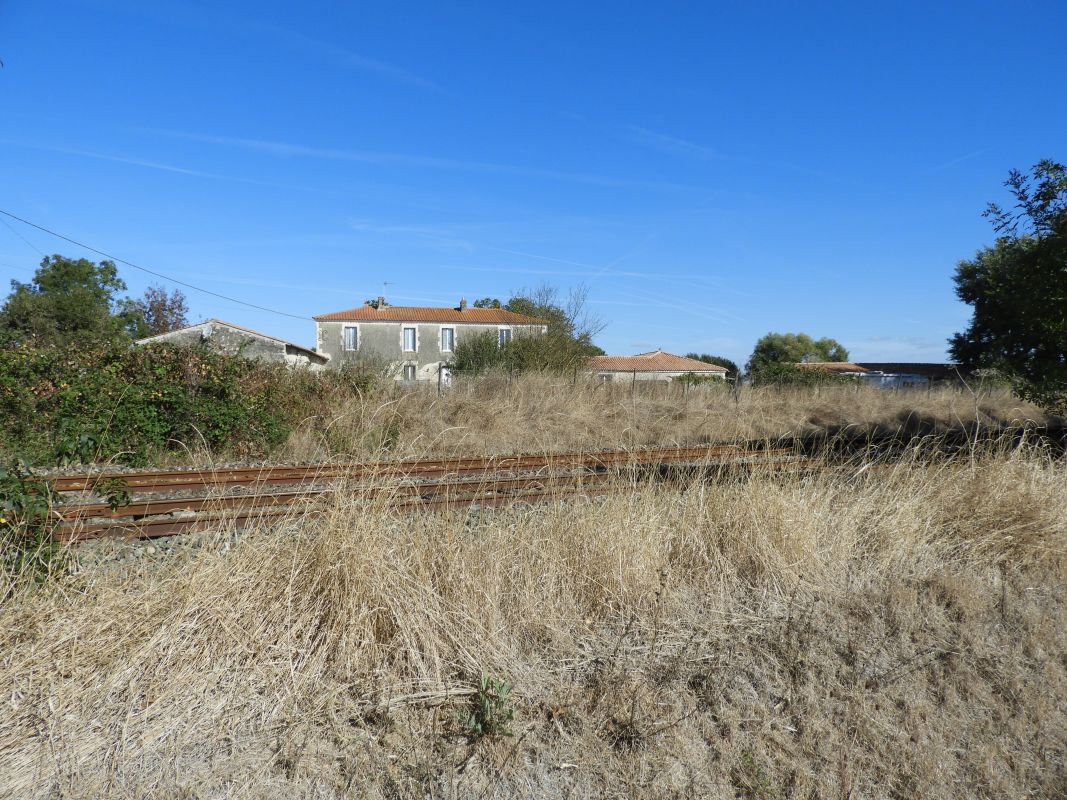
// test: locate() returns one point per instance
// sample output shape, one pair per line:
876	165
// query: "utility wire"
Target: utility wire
145	269
28	243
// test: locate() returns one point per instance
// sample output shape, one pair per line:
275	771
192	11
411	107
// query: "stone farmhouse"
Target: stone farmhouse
417	342
225	337
654	366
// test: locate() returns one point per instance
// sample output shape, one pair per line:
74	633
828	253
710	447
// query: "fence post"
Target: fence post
633	384
439	378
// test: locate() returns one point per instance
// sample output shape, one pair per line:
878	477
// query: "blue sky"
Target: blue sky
711	172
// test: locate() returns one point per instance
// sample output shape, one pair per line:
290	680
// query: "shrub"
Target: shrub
83	404
792	375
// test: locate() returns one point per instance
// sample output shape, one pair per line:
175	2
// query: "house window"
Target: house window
409	372
409	340
351	337
448	340
503	336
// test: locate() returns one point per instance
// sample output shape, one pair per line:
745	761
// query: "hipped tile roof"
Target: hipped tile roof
656	361
475	316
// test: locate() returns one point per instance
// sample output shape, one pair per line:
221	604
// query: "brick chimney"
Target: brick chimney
381	302
462	303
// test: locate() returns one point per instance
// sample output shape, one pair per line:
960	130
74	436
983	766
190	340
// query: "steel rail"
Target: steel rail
79	522
174	480
157	528
72	514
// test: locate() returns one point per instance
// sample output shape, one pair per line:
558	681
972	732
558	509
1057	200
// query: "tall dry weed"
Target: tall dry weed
889	632
496	414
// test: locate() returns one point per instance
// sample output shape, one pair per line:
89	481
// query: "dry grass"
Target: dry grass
533	413
898	633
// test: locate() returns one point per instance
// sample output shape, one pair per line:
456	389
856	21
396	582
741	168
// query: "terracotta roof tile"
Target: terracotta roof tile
656	361
477	316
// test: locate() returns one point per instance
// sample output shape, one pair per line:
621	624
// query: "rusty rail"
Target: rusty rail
175	480
569	474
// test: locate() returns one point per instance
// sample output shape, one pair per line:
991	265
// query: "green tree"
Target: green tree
793	348
1018	289
722	361
67	300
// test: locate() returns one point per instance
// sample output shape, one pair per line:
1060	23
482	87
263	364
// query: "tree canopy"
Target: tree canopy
77	301
1017	289
793	348
67	299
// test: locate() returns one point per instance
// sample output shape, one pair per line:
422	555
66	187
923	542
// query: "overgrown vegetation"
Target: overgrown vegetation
895	630
564	347
795	376
27	549
112	402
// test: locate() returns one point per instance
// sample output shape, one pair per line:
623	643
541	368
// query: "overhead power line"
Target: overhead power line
150	271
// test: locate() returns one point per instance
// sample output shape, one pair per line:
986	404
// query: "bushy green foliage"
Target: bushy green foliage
565	346
1018	290
792	348
722	361
114	401
792	375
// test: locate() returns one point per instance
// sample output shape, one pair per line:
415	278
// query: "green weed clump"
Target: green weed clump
27	547
79	405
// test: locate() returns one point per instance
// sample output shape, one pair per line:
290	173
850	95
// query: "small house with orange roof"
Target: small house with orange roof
654	366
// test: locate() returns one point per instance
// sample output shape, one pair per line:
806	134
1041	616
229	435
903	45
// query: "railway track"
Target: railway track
411	485
172	480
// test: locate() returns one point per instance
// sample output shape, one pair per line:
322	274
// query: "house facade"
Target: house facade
654	366
225	337
416	342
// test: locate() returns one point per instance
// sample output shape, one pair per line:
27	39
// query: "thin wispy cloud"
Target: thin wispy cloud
953	162
344	57
153	165
424	231
705	311
380	158
137	162
213	18
669	144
